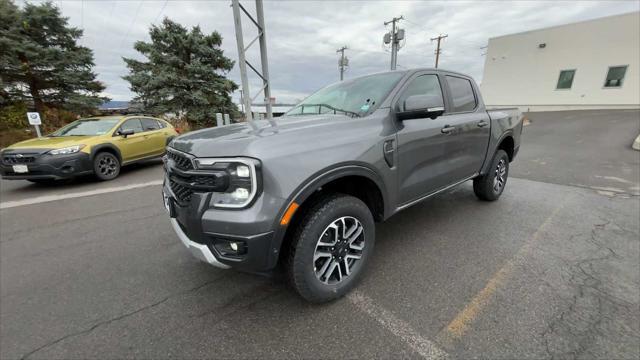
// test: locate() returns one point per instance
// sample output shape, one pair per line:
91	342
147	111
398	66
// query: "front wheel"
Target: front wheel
331	247
490	186
106	166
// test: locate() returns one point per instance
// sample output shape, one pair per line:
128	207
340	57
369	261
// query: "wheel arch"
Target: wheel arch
354	179
95	150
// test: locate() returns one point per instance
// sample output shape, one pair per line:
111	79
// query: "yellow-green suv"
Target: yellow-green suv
98	145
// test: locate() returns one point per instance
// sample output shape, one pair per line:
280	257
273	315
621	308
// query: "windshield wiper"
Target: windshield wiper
320	106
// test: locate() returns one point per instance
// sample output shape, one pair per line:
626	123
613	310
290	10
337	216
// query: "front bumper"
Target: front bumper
203	229
42	165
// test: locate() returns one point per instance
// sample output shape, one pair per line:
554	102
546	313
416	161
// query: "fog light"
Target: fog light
234	246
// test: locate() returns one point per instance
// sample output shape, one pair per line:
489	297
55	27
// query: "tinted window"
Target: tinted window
132	124
422	85
565	80
150	124
615	76
461	94
162	124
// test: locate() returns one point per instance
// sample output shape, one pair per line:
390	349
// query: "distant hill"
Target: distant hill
114	105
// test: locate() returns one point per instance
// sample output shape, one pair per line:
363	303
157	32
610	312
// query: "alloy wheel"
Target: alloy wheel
338	250
107	165
500	176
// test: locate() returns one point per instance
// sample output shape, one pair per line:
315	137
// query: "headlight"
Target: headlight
242	180
67	150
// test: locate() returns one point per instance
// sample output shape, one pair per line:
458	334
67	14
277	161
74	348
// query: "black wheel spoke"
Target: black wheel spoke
338	250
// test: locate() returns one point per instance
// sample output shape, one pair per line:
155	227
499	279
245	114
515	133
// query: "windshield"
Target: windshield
84	127
354	97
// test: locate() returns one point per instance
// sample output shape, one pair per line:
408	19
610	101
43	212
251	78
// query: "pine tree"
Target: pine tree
185	74
41	62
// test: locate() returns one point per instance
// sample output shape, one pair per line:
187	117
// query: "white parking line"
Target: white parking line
426	348
48	198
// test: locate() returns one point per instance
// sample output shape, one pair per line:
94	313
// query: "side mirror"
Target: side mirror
421	106
126	132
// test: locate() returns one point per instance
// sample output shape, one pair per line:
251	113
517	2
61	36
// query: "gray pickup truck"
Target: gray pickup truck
304	191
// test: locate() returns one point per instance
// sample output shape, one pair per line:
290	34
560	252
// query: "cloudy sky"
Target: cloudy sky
303	36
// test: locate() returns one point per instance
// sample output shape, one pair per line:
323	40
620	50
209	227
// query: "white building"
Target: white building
586	65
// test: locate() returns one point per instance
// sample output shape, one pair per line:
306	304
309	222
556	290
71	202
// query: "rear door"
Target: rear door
470	139
425	153
154	137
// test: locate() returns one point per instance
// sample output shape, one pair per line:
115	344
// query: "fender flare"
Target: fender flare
97	148
315	182
492	150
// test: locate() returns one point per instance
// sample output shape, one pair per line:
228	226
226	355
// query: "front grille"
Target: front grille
11	159
182	193
182	162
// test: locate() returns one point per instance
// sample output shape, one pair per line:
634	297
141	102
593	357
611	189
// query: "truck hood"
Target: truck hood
49	142
295	133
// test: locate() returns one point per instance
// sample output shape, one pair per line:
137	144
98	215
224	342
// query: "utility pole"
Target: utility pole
394	38
438	51
243	63
343	62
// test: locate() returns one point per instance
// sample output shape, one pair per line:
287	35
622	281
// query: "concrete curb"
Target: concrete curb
636	144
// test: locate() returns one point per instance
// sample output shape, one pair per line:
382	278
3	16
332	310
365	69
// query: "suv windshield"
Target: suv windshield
354	97
84	127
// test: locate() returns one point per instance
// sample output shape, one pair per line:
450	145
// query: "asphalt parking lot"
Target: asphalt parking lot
552	270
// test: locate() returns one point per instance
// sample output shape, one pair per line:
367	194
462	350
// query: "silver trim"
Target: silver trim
199	251
402	207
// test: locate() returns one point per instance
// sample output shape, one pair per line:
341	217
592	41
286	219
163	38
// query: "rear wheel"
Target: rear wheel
490	186
331	247
106	166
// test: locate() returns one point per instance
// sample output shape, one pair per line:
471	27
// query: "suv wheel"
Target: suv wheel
490	186
106	166
331	247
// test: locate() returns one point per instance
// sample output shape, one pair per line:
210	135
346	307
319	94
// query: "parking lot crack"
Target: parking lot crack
117	318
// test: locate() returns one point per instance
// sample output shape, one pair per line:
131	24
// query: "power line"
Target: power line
438	51
394	38
161	10
135	17
343	62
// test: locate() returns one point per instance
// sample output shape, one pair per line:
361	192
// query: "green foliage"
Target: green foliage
13	116
184	74
41	62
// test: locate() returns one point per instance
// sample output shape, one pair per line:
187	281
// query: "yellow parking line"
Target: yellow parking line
463	320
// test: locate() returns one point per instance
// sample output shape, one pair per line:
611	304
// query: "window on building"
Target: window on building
565	80
462	94
615	76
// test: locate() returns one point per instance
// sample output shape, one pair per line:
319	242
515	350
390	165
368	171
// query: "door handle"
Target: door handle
482	123
447	129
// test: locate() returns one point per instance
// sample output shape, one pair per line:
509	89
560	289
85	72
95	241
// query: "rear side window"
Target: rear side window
132	124
162	124
461	94
150	124
422	85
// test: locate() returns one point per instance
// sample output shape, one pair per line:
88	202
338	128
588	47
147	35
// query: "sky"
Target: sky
303	36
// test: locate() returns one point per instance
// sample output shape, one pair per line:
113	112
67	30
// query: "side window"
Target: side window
132	124
422	85
162	124
461	94
615	76
150	124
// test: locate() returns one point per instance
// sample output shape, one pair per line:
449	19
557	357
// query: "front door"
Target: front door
131	147
424	150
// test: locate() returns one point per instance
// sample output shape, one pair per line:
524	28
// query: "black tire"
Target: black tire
106	166
301	266
490	186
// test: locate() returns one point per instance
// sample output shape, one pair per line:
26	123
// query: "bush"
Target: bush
13	116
